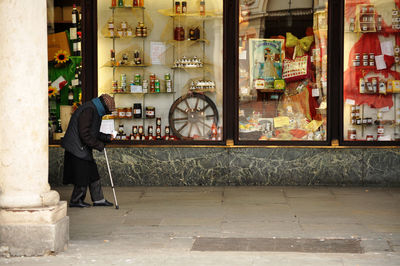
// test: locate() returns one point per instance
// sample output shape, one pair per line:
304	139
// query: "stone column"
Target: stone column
33	221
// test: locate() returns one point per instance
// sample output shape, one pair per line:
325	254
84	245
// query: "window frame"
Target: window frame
335	123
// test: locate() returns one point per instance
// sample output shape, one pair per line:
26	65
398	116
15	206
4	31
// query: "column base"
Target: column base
34	231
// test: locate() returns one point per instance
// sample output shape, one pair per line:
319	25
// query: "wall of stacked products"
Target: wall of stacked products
162	61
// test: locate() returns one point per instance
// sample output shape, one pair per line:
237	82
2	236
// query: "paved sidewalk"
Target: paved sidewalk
161	226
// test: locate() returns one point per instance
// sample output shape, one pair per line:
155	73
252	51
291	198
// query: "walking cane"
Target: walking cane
111	180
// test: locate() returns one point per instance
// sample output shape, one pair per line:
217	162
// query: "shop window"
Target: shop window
64	29
283	70
371	80
162	61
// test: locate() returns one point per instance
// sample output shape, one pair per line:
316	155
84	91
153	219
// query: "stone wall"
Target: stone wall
203	166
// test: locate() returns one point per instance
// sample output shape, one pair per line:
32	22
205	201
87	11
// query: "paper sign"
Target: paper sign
387	48
384	109
75	82
243	55
380	62
350	101
281	121
315	92
157	52
107	126
313	125
59	83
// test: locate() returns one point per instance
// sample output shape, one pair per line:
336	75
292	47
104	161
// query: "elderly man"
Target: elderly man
82	136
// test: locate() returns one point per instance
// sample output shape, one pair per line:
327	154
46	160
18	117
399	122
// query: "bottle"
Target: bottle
112	55
113	3
141	3
184	7
74	29
80	22
75	47
214	131
202	7
59	128
75	16
120	3
70	96
79	44
177	7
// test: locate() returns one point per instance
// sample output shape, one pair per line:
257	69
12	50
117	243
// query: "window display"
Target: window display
371	81
283	70
162	61
64	27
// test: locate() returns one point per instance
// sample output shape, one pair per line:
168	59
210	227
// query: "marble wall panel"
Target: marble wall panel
182	166
382	166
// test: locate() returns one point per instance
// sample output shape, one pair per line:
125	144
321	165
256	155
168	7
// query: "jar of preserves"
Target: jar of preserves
141	131
150	112
370	138
110	24
124	25
121	112
167	132
134	130
144	31
157	85
381	129
145	85
150	131
128	113
158	132
137	110
352	134
179	33
121	129
158	121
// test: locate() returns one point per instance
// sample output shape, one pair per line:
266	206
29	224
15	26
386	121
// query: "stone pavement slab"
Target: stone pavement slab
159	225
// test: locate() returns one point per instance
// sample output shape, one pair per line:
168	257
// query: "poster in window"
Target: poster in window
266	59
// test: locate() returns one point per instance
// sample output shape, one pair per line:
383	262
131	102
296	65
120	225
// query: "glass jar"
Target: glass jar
352	134
128	112
179	33
150	112
121	112
137	110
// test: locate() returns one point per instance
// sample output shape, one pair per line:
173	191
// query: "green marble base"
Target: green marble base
182	166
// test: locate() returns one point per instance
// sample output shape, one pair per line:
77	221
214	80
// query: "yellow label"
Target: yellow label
281	121
314	125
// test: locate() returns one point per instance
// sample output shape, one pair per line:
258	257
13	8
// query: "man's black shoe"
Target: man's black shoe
106	203
79	204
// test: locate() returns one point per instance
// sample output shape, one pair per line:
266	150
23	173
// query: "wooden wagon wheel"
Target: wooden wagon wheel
192	114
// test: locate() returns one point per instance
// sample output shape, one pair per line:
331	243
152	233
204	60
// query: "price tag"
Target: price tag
350	101
75	82
243	55
315	92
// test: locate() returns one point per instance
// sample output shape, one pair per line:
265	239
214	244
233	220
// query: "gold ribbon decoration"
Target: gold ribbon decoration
301	45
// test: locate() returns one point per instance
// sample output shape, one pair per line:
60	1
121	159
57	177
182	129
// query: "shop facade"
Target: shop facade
236	92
